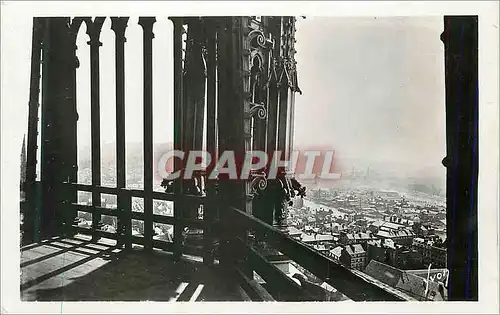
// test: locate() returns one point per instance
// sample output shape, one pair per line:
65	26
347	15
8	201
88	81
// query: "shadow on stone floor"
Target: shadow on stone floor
110	274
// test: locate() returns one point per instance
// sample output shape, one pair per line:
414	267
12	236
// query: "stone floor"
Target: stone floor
78	270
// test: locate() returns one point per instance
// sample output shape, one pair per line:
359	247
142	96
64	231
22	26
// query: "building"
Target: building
355	238
324	249
437	275
430	254
298	202
401	236
389	195
353	256
398	220
396	255
336	252
407	258
294	232
413	285
316	239
374	227
380	250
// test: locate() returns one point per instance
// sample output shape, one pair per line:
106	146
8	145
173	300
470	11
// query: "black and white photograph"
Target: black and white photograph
320	153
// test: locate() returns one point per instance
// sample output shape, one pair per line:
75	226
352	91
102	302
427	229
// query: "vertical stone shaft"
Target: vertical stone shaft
147	27
118	25
94	31
178	130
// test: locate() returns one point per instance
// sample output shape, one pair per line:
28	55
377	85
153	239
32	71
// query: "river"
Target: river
316	206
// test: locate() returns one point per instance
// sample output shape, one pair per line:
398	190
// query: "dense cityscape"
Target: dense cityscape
378	232
400	229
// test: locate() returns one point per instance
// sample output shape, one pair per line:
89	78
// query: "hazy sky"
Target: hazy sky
373	88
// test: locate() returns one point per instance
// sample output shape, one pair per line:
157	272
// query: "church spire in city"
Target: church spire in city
23	160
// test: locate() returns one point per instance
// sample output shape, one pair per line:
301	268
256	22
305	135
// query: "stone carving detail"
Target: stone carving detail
258	39
94	30
257	109
259	182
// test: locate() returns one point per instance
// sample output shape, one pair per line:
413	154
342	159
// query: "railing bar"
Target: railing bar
156	218
193	250
254	289
155	195
284	287
163	196
136	193
95	209
195	223
91	188
166	246
101	233
173	197
137	240
163	219
137	215
343	279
